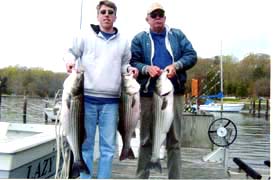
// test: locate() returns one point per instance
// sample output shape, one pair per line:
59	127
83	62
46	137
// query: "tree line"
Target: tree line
248	77
31	81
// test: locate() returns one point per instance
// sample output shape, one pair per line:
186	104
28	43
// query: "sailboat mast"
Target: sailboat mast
221	76
81	14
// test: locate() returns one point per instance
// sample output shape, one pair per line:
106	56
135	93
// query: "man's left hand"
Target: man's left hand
134	71
171	71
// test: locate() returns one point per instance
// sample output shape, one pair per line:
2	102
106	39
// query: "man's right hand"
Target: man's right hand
154	71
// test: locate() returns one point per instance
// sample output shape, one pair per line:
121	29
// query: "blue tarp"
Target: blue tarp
219	95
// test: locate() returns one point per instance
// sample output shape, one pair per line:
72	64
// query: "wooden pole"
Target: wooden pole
0	101
46	117
253	107
259	108
25	110
267	109
250	106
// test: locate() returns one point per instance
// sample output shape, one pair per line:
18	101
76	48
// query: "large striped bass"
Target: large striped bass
72	119
129	114
163	109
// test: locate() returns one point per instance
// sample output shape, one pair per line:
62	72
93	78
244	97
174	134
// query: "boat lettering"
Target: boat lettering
41	170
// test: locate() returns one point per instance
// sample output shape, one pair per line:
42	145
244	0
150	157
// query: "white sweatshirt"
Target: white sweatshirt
102	60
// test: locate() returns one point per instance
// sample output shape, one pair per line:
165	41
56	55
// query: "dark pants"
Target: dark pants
172	141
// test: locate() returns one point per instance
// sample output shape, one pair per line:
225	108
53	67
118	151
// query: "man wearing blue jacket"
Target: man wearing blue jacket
157	49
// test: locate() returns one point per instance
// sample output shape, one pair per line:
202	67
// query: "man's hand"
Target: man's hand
171	71
134	71
154	71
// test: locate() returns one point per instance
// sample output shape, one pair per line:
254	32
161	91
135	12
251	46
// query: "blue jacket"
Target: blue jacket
180	48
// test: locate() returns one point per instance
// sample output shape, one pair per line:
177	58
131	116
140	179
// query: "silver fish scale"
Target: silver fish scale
128	119
163	121
130	114
76	120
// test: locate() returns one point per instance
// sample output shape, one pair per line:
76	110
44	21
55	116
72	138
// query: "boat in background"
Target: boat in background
211	106
52	111
227	107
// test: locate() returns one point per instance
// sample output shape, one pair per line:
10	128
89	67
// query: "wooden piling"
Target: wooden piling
259	108
25	110
0	101
253	108
250	107
46	116
267	109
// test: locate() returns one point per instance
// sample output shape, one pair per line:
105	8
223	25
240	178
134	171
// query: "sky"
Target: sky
35	33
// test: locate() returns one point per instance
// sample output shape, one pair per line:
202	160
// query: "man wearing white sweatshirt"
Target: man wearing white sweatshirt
104	55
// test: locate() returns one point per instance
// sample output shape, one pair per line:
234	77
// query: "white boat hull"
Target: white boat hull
28	151
226	107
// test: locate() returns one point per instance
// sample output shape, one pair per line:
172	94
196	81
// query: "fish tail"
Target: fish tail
77	167
131	154
126	154
154	165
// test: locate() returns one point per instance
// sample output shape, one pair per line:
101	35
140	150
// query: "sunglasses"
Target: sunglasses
157	14
110	12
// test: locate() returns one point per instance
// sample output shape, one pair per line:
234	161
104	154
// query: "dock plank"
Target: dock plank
192	167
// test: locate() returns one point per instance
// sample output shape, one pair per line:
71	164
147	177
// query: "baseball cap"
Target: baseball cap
155	6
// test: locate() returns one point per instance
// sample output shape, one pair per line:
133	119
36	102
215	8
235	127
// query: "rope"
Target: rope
63	152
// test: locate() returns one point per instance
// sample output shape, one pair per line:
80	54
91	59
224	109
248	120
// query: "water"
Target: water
252	144
12	109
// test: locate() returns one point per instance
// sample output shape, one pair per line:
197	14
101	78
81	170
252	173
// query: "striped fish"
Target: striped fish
72	119
163	108
129	114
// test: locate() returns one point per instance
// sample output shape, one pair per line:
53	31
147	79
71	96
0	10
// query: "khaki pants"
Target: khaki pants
172	141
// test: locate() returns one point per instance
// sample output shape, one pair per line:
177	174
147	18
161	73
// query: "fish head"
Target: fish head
163	85
73	84
130	85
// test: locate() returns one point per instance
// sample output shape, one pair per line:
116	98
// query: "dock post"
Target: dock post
0	101
259	108
3	86
253	107
25	110
46	116
267	109
250	106
267	162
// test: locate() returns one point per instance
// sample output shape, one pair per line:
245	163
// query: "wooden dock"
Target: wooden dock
195	145
193	167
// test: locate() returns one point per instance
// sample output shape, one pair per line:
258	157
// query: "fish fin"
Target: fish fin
68	101
164	104
131	154
123	154
134	134
133	101
154	165
77	167
74	171
126	154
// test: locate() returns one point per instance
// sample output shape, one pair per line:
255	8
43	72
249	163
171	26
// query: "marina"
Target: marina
252	146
